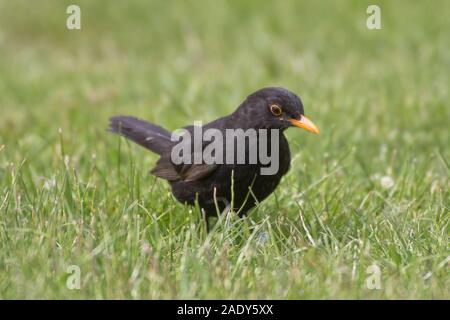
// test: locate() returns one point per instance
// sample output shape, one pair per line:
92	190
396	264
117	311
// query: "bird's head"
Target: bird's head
274	108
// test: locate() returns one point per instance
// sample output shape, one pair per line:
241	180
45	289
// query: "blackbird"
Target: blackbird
220	186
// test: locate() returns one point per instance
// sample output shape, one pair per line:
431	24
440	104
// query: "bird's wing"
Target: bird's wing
158	140
166	169
196	172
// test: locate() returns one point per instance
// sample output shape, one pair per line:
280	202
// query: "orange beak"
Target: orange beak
305	123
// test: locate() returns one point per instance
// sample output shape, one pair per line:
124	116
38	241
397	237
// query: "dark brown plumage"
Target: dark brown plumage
212	184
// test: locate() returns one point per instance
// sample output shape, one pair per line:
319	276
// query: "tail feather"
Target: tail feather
146	134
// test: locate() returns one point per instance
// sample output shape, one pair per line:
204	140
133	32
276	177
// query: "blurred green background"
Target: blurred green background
70	193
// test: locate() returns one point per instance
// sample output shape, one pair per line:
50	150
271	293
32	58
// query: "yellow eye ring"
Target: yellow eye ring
276	110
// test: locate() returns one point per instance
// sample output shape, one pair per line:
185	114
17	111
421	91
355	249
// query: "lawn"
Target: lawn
363	213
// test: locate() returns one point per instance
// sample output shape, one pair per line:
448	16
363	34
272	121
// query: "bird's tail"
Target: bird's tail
146	134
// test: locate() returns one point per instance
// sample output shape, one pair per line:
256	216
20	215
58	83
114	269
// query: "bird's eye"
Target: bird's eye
276	110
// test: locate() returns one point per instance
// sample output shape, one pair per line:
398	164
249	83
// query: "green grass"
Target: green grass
73	194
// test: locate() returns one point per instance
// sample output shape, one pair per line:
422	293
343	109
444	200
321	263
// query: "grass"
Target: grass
73	194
